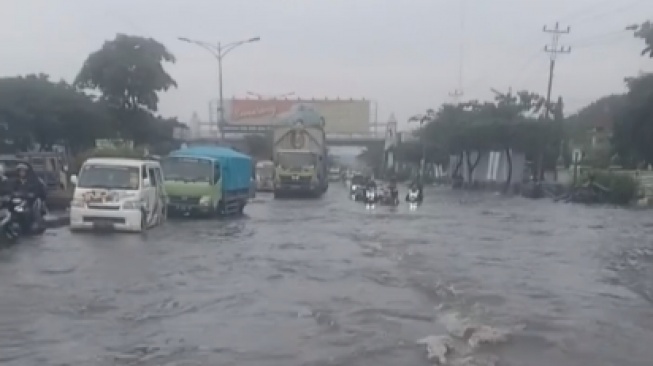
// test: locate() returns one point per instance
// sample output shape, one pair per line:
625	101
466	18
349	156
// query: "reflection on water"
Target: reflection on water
467	279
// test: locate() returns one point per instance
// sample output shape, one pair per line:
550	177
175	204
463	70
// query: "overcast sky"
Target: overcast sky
403	54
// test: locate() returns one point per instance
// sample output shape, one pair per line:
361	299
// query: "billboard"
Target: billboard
341	116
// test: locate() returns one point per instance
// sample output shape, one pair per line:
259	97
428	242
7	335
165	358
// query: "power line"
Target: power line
591	7
608	13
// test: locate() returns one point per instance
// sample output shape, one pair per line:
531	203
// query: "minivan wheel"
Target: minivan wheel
143	221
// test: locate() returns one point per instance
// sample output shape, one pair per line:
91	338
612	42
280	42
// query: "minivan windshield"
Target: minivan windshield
109	177
187	169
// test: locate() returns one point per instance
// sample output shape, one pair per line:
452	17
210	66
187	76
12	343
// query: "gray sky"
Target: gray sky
403	54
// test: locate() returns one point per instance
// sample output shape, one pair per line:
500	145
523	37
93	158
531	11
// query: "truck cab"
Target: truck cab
207	181
298	171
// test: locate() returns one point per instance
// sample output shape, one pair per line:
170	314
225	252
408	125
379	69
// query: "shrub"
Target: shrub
623	188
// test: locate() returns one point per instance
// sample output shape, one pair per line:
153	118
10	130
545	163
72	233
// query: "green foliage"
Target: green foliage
510	122
645	32
601	113
129	72
259	146
633	131
36	110
623	188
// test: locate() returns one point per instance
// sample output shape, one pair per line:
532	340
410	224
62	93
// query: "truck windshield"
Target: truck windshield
109	177
296	160
187	169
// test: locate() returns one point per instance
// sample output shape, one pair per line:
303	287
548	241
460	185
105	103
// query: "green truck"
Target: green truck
300	154
207	181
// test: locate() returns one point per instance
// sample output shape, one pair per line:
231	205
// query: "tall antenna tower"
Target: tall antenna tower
457	93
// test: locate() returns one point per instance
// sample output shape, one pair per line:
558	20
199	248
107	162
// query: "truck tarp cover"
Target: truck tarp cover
236	167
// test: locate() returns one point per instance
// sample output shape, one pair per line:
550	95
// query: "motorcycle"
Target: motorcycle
390	197
28	212
371	198
413	198
356	192
9	232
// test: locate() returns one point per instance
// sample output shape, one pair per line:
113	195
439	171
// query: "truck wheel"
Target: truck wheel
241	207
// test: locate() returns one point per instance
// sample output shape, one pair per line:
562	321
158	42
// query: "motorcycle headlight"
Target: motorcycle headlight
16	201
132	205
205	200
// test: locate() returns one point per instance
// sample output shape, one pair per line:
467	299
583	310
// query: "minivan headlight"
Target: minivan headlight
132	205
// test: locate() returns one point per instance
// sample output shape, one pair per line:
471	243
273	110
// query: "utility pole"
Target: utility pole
553	50
456	94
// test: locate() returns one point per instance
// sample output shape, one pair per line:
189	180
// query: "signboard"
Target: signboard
258	115
114	144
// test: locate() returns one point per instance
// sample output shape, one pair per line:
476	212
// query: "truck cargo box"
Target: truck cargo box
236	168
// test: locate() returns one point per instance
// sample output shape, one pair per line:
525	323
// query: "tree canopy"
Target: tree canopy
633	131
38	111
128	71
645	32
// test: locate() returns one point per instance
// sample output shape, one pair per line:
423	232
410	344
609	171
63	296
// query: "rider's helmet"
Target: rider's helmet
22	169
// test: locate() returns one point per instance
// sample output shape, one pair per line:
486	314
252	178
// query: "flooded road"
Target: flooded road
493	280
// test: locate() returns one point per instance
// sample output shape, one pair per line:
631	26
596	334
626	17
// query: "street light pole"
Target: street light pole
222	121
219	53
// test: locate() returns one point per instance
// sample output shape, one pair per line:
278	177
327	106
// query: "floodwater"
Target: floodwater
477	279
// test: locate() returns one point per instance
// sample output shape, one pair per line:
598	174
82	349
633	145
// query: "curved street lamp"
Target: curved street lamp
219	51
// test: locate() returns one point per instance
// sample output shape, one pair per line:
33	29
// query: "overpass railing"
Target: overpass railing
354	136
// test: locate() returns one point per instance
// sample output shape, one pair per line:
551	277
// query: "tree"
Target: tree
259	146
37	111
645	32
128	72
633	131
511	121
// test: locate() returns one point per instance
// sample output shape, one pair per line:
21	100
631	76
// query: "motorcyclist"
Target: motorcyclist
392	189
370	186
415	186
5	184
28	183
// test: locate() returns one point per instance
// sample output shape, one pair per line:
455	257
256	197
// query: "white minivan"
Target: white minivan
120	194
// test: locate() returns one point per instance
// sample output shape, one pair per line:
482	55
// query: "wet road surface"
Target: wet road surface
494	280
